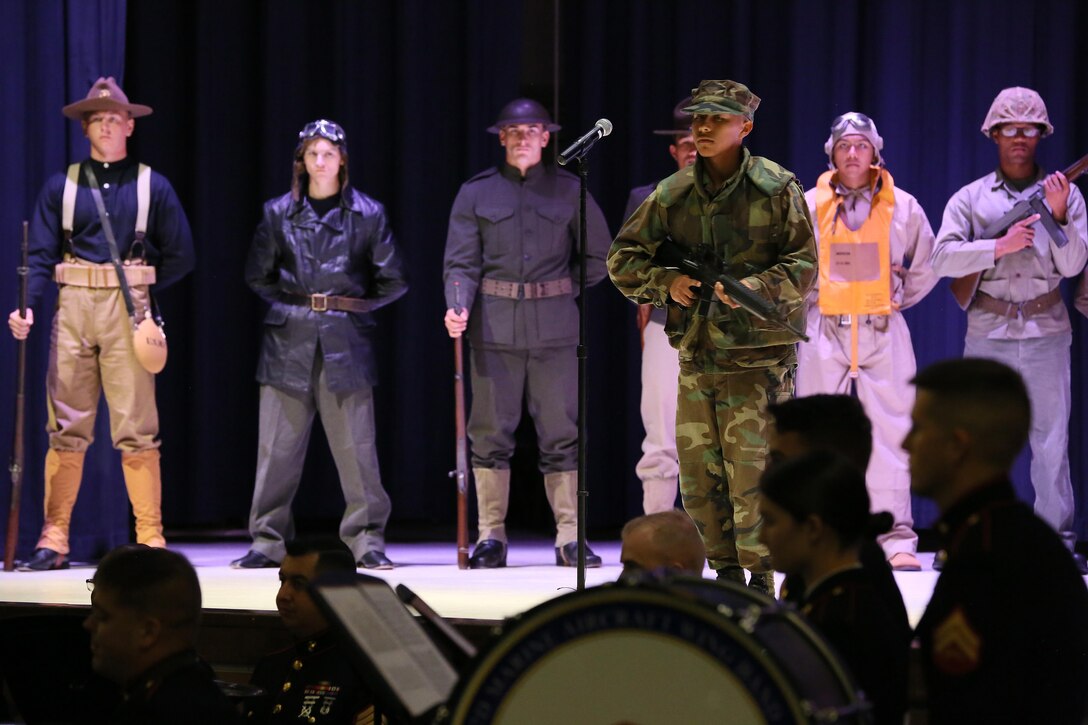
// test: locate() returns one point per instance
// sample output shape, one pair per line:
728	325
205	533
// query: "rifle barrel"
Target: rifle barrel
18	443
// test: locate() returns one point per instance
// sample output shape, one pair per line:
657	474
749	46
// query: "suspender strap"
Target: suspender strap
143	200
143	203
68	201
108	229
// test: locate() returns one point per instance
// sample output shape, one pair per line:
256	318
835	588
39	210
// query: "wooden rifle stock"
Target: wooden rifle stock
17	447
964	288
1077	169
460	474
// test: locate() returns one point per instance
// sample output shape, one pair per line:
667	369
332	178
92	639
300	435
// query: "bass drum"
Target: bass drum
687	650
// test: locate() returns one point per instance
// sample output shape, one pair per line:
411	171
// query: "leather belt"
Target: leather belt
1028	308
527	290
100	276
326	303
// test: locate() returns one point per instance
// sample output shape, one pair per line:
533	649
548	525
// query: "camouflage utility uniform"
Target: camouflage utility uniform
731	364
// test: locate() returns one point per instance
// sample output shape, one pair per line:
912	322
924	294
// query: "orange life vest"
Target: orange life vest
855	265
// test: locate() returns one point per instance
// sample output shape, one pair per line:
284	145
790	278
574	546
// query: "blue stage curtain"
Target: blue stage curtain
51	52
415	83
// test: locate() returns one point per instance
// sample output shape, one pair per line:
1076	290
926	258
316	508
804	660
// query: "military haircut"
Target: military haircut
828	422
984	397
155	582
674	534
828	485
332	553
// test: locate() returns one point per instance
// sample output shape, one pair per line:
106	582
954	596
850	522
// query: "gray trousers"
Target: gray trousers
286	418
1043	362
885	368
547	378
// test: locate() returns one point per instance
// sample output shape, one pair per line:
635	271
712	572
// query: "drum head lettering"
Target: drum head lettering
621	655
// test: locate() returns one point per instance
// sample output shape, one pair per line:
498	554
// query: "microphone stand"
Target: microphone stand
583	493
578	151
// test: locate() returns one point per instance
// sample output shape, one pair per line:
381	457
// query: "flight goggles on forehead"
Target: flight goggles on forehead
325	129
855	120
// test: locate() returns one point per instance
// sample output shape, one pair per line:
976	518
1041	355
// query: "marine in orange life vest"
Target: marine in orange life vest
874	247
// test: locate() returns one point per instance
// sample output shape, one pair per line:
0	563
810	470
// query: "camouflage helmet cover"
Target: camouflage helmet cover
850	124
1017	105
523	110
723	97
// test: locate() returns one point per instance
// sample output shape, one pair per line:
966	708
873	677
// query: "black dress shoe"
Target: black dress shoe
44	560
253	560
939	559
488	554
375	559
567	555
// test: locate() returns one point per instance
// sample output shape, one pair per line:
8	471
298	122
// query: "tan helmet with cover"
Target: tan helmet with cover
1017	105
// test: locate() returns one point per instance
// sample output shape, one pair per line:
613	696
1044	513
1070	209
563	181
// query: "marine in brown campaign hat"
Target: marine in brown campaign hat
681	120
105	95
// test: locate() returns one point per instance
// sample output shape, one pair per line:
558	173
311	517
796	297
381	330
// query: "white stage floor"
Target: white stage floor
428	569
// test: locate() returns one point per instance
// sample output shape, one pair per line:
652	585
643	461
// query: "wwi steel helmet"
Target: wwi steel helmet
1017	105
850	124
523	110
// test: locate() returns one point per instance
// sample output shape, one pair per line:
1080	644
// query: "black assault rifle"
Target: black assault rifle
701	263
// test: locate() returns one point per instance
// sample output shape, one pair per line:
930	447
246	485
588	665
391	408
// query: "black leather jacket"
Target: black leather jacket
348	253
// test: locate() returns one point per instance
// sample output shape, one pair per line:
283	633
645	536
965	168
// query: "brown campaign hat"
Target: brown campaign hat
105	95
681	120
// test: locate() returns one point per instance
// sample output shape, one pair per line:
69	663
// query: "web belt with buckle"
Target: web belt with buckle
526	290
328	303
1027	308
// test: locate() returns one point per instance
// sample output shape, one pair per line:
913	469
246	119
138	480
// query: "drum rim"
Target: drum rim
516	629
788	611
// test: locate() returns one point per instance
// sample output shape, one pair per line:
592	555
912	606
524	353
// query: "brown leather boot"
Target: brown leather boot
143	479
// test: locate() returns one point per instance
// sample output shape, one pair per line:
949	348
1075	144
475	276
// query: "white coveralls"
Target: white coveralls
658	467
885	358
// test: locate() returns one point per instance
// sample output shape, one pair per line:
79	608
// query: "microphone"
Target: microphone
579	148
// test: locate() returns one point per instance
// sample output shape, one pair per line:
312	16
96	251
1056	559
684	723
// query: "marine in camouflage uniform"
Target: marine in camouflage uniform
731	364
